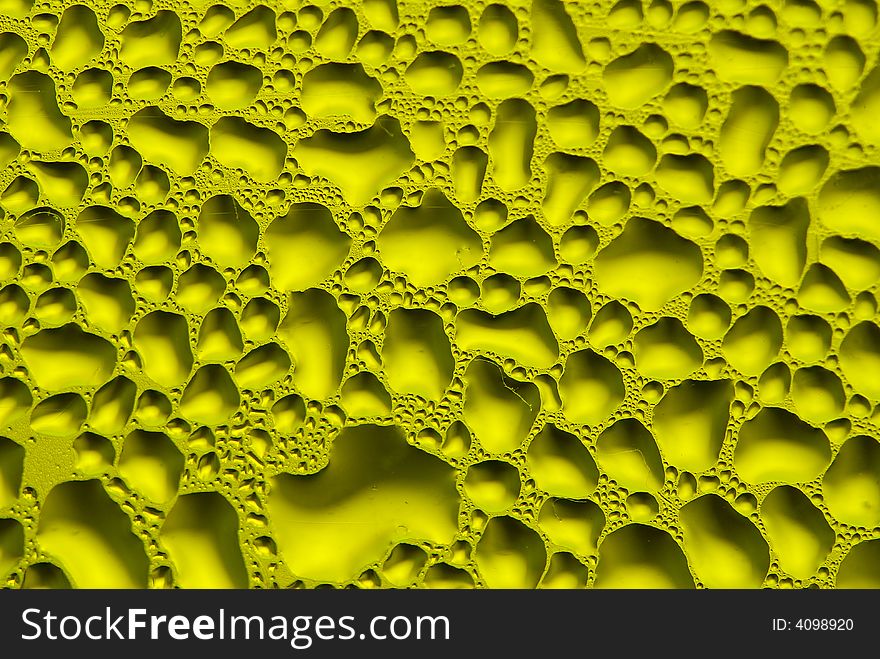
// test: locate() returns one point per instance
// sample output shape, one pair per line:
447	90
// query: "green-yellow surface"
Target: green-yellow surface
538	293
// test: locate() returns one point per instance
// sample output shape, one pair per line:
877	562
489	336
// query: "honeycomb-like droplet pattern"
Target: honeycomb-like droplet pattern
537	293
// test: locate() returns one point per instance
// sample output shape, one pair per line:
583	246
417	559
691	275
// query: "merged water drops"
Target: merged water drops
467	294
